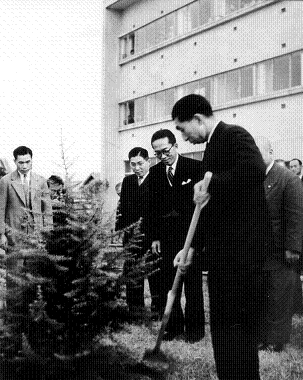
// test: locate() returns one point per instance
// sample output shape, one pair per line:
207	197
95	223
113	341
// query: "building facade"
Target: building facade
245	56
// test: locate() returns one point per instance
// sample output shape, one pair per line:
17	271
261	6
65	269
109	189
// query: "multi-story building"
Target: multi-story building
245	56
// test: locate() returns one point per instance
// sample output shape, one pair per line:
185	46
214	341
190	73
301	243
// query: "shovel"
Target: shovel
156	356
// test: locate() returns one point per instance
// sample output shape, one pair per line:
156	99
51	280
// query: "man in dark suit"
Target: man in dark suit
284	194
295	165
234	229
171	184
134	206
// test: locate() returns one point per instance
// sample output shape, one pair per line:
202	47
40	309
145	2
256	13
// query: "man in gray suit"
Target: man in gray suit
284	194
25	203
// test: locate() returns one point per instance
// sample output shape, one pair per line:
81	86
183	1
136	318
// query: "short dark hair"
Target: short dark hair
138	151
162	133
186	107
296	159
22	151
55	179
2	172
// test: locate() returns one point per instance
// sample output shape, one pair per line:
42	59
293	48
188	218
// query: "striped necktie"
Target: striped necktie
170	175
26	190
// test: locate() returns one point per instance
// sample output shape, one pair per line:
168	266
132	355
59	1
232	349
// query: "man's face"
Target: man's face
295	167
55	189
193	131
24	163
165	151
139	165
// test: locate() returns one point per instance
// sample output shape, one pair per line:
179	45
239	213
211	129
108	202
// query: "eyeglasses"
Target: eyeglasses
163	151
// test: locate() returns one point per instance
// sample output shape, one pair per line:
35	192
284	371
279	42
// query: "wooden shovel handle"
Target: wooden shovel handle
192	229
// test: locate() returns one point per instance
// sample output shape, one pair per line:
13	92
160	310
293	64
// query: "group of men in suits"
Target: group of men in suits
241	238
164	202
284	194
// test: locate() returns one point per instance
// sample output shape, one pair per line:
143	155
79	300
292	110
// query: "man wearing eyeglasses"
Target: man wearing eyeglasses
171	189
134	206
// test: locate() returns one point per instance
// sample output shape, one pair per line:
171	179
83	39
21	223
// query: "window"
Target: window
264	77
193	15
159	31
169	101
182	21
150	107
127	168
232	85
170	26
205	11
247	82
160	105
127	113
296	69
150	32
281	72
140	110
232	6
140	40
132	43
195	155
220	89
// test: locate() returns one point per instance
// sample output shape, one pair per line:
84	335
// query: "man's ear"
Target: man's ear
199	117
176	145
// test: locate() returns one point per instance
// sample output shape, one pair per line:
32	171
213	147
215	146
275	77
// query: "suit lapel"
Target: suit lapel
17	185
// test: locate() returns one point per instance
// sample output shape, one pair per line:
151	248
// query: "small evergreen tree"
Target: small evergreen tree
69	288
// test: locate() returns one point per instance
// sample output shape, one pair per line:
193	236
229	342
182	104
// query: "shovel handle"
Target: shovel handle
190	234
195	217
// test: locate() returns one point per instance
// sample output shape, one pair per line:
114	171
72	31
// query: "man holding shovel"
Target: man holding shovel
234	230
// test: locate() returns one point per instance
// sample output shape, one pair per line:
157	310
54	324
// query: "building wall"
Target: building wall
248	37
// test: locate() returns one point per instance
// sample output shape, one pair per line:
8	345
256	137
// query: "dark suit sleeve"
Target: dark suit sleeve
121	208
248	168
293	214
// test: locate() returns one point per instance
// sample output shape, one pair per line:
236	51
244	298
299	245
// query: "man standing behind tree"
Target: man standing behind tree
234	229
295	165
284	194
171	182
134	206
25	203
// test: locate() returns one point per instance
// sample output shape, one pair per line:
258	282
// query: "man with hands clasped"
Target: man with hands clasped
233	233
171	194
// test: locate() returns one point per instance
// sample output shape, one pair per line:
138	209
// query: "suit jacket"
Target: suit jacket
284	194
13	211
133	203
173	206
236	221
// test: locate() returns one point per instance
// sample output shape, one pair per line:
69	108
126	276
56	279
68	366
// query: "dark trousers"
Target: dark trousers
298	298
192	320
234	297
281	287
135	297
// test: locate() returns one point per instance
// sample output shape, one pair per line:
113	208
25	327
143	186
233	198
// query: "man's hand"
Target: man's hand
179	260
200	189
291	257
156	246
3	242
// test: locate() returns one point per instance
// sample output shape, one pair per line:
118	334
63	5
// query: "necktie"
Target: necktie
170	175
26	189
140	180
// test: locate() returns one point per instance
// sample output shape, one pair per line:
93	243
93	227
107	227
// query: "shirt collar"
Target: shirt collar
211	132
28	175
142	179
174	165
269	167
